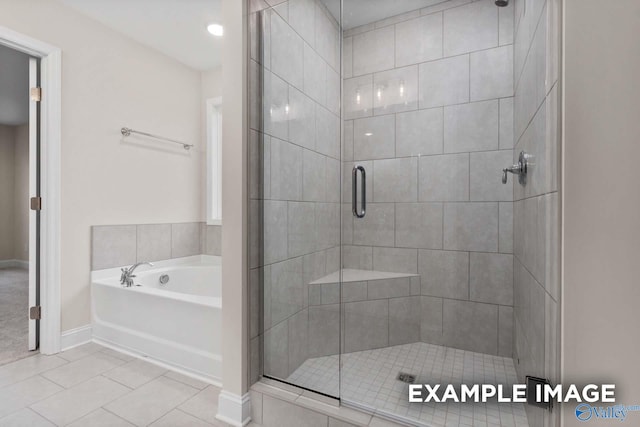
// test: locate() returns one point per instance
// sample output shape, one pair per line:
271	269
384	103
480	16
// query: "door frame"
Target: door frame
50	156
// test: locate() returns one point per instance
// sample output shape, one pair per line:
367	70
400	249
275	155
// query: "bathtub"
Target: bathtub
176	324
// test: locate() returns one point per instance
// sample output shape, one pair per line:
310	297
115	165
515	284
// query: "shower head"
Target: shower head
502	3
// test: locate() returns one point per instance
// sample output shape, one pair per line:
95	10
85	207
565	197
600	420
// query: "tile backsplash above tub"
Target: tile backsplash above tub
117	245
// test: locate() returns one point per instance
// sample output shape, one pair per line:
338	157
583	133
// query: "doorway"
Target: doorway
19	212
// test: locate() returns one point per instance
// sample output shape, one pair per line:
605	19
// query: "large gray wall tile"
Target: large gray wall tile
444	82
301	230
276	351
388	288
486	176
275	231
419	40
213	240
374	138
505	225
471	226
471	127
314	178
373	51
287	52
395	180
113	246
185	239
419	132
377	228
153	242
431	320
492	73
395	90
301	119
491	278
470	27
505	331
276	99
298	339
419	225
327	132
395	260
358	97
506	123
286	170
471	326
366	325
358	257
404	324
444	178
324	330
444	273
286	293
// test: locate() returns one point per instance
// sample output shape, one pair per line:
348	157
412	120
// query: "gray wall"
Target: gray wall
428	107
536	207
294	175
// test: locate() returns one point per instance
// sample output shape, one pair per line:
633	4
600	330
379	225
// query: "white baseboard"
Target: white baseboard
75	337
233	409
15	263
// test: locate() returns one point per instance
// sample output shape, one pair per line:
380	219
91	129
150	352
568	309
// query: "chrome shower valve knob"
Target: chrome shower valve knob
520	169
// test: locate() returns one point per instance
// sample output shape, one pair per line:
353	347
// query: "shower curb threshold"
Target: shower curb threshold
318	403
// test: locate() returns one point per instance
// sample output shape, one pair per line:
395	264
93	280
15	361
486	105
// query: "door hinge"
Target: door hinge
36	203
35	313
36	94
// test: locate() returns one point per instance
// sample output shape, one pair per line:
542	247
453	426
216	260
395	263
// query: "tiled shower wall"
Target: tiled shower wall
118	245
428	108
536	207
294	177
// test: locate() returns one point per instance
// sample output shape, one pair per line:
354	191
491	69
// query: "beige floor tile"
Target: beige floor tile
82	369
151	401
69	405
25	418
200	385
25	368
203	405
100	418
178	418
81	351
25	393
117	354
135	373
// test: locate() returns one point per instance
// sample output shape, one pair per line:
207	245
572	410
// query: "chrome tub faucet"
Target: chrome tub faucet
126	278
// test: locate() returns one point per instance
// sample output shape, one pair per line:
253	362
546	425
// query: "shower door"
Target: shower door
296	192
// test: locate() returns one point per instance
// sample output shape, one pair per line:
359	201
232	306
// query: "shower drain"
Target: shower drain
406	378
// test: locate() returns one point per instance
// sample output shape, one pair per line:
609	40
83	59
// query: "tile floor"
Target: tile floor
368	379
14	324
92	385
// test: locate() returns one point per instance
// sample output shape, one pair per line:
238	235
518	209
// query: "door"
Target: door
34	213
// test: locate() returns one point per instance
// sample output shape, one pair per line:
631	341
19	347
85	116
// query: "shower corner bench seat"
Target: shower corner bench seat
362	285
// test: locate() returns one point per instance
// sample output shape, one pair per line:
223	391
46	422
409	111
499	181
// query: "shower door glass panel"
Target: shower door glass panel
295	123
427	271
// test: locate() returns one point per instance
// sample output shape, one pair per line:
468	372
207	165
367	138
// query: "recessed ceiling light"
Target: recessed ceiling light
368	134
216	29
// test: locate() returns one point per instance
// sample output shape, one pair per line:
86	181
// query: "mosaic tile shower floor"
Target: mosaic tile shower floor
369	380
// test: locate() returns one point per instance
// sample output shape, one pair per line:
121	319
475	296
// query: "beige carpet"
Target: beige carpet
14	324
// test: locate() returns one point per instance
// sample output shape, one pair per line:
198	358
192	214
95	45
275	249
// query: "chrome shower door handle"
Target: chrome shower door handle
354	191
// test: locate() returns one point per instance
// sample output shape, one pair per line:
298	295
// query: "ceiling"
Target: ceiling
14	87
361	12
177	28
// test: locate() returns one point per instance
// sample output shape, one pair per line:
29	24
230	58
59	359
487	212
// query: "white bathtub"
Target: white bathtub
176	324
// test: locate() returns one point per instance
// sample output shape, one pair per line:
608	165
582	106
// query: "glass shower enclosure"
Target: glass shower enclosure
381	249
